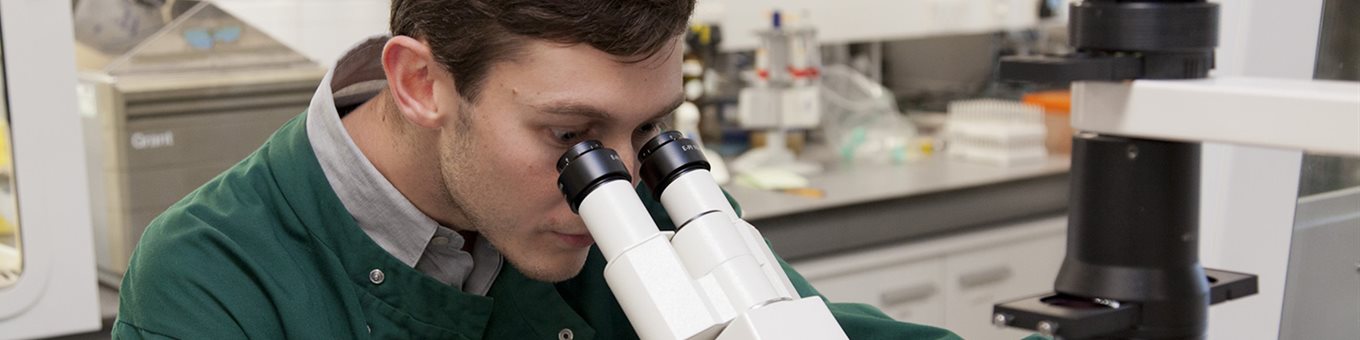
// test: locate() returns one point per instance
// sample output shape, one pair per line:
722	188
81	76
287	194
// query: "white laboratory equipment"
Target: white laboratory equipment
784	95
995	131
55	293
713	278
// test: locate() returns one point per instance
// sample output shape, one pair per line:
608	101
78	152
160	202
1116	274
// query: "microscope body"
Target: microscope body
713	278
1132	267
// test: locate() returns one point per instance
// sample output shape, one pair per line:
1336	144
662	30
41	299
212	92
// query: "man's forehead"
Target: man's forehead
668	54
585	81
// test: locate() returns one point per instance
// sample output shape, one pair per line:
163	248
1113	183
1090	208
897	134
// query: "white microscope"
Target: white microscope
713	278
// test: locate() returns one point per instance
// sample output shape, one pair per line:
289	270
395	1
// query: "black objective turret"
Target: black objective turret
1127	39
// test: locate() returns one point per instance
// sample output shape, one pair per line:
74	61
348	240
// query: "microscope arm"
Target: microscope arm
1317	116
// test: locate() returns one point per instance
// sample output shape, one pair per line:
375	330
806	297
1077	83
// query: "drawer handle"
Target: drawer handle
908	294
982	277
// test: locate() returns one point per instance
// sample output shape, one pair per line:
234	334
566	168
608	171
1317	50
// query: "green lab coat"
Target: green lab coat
267	251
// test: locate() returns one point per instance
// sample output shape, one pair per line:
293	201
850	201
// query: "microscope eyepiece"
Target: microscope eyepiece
656	142
583	167
576	151
666	157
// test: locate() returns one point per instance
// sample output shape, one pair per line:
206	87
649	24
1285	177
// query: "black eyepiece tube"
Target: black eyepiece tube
666	157
583	167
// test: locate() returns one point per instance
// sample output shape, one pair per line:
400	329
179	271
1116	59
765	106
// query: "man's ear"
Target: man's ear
411	73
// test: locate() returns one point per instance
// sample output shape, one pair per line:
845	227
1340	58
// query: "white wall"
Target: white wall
323	29
868	20
320	29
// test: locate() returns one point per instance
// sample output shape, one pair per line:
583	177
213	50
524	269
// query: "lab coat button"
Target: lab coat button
376	276
565	334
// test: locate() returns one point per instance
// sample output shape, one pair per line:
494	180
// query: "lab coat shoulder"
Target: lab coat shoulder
225	262
124	330
191	277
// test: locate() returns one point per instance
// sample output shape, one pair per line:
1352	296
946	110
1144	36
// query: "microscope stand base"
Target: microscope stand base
1071	317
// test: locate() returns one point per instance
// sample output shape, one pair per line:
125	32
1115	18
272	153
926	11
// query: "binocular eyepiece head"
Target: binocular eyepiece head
664	158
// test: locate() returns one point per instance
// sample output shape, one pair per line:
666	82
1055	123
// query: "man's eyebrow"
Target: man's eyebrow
592	112
575	109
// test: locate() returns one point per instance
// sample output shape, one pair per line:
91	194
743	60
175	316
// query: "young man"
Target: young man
416	197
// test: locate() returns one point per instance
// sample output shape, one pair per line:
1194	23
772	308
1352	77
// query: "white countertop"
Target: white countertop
849	185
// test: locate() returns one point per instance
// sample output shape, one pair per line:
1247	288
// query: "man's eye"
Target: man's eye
568	137
649	129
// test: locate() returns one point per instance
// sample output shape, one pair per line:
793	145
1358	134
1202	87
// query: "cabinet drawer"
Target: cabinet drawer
978	279
912	292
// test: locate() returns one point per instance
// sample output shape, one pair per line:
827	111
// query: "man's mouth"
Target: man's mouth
575	240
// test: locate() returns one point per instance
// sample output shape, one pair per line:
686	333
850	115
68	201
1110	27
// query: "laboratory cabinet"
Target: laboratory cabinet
949	281
912	291
167	113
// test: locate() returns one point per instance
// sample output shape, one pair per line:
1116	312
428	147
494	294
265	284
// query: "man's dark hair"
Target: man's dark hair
468	36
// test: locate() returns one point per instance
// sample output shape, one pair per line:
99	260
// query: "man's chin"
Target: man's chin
551	271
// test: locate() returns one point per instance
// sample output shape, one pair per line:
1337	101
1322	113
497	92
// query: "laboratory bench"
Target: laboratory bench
868	205
934	241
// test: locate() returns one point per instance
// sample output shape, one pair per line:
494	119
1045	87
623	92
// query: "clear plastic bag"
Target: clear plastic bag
861	119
